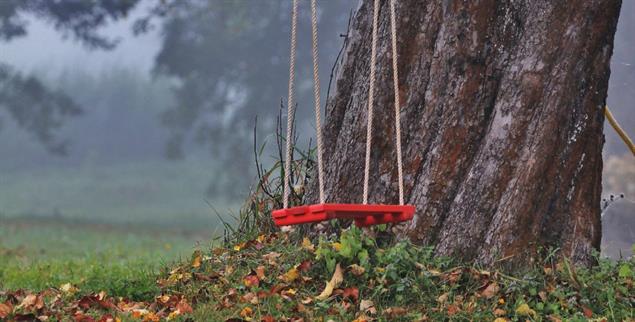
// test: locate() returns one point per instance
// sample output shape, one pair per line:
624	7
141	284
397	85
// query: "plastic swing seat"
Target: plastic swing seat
363	215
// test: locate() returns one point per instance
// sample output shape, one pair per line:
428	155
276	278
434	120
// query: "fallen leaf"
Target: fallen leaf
587	312
367	306
499	312
183	307
525	310
196	259
291	275
288	294
453	309
239	247
260	272
357	270
251	298
261	238
251	281
5	310
246	313
335	281
68	288
491	290
500	320
352	293
305	266
393	312
443	298
307	245
271	258
267	318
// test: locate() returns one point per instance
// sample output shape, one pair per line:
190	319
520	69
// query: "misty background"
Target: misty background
164	97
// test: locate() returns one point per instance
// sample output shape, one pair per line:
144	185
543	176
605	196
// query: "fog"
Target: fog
161	137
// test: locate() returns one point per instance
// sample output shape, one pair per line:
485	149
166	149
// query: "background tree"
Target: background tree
32	105
502	123
228	57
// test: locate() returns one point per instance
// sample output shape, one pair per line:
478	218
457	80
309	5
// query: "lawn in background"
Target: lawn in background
121	260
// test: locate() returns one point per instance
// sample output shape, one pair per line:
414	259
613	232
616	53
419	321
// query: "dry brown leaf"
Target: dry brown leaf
260	272
491	290
453	309
183	307
443	298
335	281
499	312
5	310
367	306
393	312
271	258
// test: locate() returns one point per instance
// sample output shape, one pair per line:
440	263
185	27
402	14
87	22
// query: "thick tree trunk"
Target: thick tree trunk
502	123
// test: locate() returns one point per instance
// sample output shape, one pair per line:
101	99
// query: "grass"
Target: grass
284	277
158	193
395	282
123	261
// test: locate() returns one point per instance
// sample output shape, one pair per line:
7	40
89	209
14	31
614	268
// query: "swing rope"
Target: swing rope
395	78
371	93
616	126
316	94
290	105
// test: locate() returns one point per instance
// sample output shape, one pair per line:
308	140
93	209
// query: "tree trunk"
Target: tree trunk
502	123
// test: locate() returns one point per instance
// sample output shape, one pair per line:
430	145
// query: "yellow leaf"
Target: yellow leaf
240	246
357	270
525	310
291	275
335	281
337	246
246	313
261	238
500	320
307	245
196	262
68	288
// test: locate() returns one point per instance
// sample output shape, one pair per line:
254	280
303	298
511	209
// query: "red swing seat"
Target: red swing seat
363	215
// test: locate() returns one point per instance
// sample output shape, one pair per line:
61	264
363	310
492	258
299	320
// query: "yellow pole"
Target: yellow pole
619	130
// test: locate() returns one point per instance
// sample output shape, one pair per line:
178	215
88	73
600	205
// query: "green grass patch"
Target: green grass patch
116	259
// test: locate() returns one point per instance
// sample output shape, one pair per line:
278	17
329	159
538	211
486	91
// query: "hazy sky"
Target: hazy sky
45	48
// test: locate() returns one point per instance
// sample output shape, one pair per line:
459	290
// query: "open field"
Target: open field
154	193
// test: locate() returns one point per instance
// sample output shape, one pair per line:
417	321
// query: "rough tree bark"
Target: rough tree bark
502	123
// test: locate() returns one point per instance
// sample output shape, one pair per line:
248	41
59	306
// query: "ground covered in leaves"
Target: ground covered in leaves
347	277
